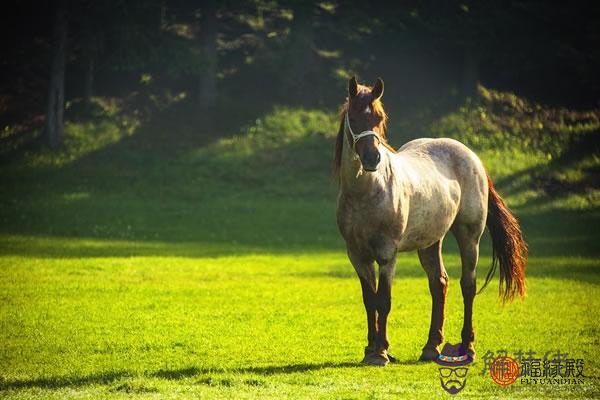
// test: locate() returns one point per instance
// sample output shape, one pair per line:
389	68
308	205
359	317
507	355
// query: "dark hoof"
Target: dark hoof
392	358
471	350
429	354
375	357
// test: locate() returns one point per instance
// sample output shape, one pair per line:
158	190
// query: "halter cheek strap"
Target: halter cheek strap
356	138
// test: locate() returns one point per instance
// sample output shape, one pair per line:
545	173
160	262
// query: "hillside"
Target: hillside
122	177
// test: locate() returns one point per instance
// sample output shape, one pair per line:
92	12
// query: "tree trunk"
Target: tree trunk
56	91
207	91
88	75
301	49
162	16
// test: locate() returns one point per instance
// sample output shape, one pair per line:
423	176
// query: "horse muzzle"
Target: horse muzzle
370	161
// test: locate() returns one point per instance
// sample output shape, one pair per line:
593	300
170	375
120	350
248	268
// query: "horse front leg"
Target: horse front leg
384	305
431	260
366	274
370	302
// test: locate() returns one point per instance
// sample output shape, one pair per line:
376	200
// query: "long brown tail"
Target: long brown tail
509	248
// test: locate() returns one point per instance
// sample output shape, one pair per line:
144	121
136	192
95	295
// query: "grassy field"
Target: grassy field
152	263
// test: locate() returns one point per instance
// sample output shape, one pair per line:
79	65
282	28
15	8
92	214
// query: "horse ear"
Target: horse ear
377	91
352	87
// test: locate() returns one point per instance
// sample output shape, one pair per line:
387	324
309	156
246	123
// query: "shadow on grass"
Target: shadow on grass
153	194
563	268
62	382
175	374
166	185
547	177
265	370
282	226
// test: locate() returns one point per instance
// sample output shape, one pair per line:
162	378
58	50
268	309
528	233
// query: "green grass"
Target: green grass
262	325
212	268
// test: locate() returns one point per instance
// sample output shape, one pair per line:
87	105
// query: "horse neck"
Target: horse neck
354	179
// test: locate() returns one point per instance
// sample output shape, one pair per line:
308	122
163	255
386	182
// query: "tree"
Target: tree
89	61
56	92
301	49
207	90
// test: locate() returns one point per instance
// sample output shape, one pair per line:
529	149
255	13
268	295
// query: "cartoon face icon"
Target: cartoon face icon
453	379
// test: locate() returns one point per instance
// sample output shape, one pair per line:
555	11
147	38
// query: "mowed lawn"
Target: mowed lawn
285	325
148	277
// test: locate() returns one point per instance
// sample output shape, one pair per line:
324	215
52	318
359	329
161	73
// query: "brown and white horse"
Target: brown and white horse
392	201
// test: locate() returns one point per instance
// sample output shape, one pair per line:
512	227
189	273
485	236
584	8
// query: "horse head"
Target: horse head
365	122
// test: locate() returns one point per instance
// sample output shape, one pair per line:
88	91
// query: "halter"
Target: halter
356	138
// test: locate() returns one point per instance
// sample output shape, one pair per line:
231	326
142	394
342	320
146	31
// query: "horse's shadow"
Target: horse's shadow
66	381
271	369
108	378
263	370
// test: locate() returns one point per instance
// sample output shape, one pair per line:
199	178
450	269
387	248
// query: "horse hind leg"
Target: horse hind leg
431	260
467	237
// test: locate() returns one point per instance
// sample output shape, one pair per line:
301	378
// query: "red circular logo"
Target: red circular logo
504	371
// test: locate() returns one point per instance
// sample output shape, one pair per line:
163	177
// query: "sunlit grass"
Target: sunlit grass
262	325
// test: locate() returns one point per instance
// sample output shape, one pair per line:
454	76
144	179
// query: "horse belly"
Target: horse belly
430	217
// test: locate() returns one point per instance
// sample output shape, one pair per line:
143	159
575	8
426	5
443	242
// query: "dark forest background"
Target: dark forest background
231	60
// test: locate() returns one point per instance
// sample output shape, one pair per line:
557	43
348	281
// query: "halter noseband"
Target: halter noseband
356	138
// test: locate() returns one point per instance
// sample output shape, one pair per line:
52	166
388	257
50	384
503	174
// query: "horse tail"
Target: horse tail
509	250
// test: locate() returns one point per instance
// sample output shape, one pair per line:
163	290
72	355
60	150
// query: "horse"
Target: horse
396	201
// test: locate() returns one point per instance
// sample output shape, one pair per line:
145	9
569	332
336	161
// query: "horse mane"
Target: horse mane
377	107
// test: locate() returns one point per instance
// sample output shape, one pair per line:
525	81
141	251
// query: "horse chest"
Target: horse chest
369	228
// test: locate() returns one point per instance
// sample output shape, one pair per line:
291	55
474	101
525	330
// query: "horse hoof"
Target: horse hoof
377	359
471	350
429	354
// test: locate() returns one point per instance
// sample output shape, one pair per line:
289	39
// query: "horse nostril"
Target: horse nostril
377	158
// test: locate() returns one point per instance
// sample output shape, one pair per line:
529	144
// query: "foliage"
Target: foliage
537	151
105	126
285	124
503	120
267	150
